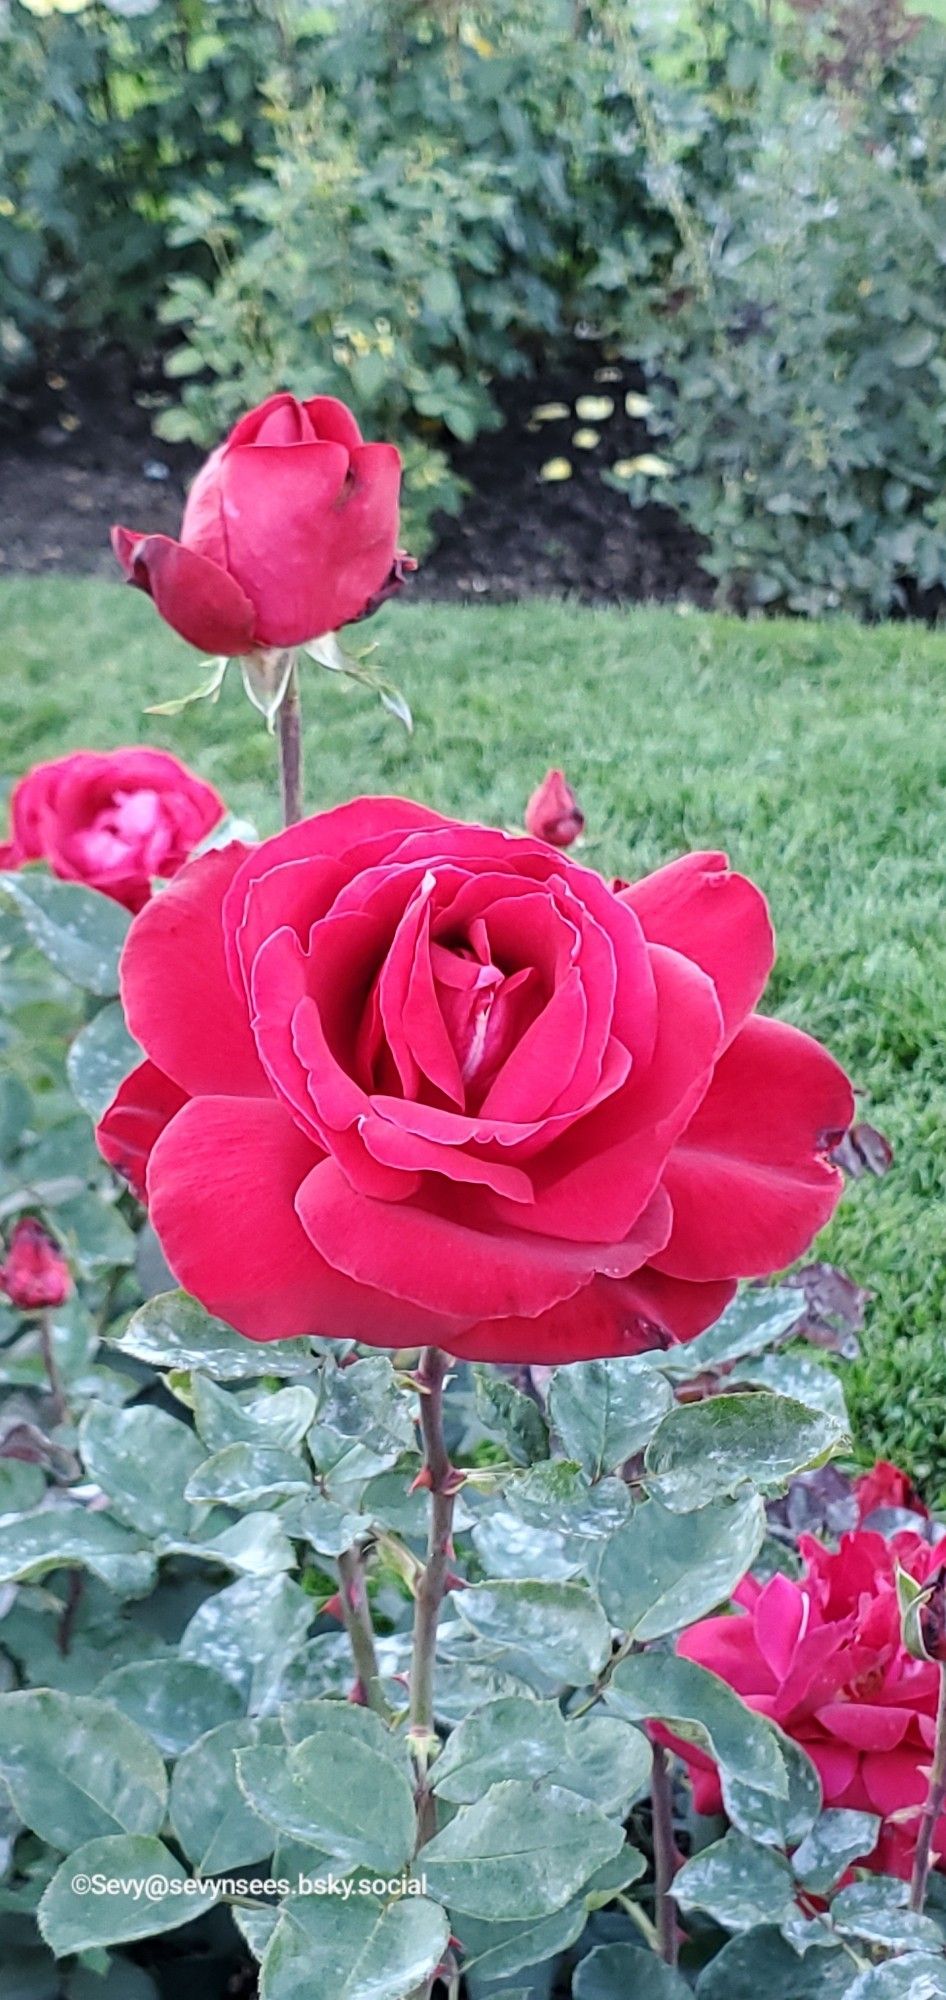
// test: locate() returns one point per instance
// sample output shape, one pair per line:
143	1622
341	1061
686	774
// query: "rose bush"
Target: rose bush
824	1658
290	531
111	819
409	1079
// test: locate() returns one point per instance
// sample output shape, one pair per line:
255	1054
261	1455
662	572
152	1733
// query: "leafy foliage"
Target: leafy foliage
109	113
177	1499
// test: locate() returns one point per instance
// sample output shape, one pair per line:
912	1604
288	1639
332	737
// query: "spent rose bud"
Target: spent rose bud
34	1274
553	812
933	1616
112	819
289	532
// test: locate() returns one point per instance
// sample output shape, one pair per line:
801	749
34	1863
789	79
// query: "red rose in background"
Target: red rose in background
290	531
823	1657
424	1081
112	819
886	1486
34	1274
553	812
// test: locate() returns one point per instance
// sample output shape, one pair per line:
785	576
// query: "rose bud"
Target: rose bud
35	1274
886	1487
553	812
290	531
110	819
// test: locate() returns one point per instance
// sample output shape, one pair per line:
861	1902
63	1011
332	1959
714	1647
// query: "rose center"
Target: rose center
131	827
484	1008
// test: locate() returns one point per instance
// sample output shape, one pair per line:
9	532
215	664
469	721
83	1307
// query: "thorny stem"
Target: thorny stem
431	1587
665	1859
935	1801
356	1613
290	750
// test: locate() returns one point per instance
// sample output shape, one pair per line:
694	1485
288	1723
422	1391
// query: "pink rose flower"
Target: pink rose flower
411	1080
290	531
823	1658
111	819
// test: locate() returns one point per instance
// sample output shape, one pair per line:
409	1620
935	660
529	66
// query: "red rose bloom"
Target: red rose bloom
290	530
823	1657
34	1274
113	819
553	812
440	1083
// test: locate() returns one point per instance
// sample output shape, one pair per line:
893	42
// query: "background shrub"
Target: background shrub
799	376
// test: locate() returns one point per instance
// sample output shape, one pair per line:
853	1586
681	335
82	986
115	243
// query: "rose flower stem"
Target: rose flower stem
57	1394
442	1481
935	1800
665	1859
290	749
356	1613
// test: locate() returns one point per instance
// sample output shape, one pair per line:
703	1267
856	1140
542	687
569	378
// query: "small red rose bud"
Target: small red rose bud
332	1608
553	812
35	1273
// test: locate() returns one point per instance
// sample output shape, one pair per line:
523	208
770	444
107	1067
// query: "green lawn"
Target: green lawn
815	753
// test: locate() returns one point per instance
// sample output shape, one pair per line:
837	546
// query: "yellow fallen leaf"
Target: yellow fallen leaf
594	409
472	39
636	405
550	413
586	439
555	469
648	463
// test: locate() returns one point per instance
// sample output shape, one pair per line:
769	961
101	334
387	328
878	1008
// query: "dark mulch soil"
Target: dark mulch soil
77	453
524	535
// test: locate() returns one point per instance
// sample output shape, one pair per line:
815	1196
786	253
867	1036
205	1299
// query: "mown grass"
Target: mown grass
815	753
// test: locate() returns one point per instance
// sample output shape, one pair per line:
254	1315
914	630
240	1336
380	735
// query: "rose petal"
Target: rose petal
332	419
781	1616
893	1779
144	1103
277	504
221	1187
749	1181
720	920
439	1260
865	1725
178	1000
602	1170
200	601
